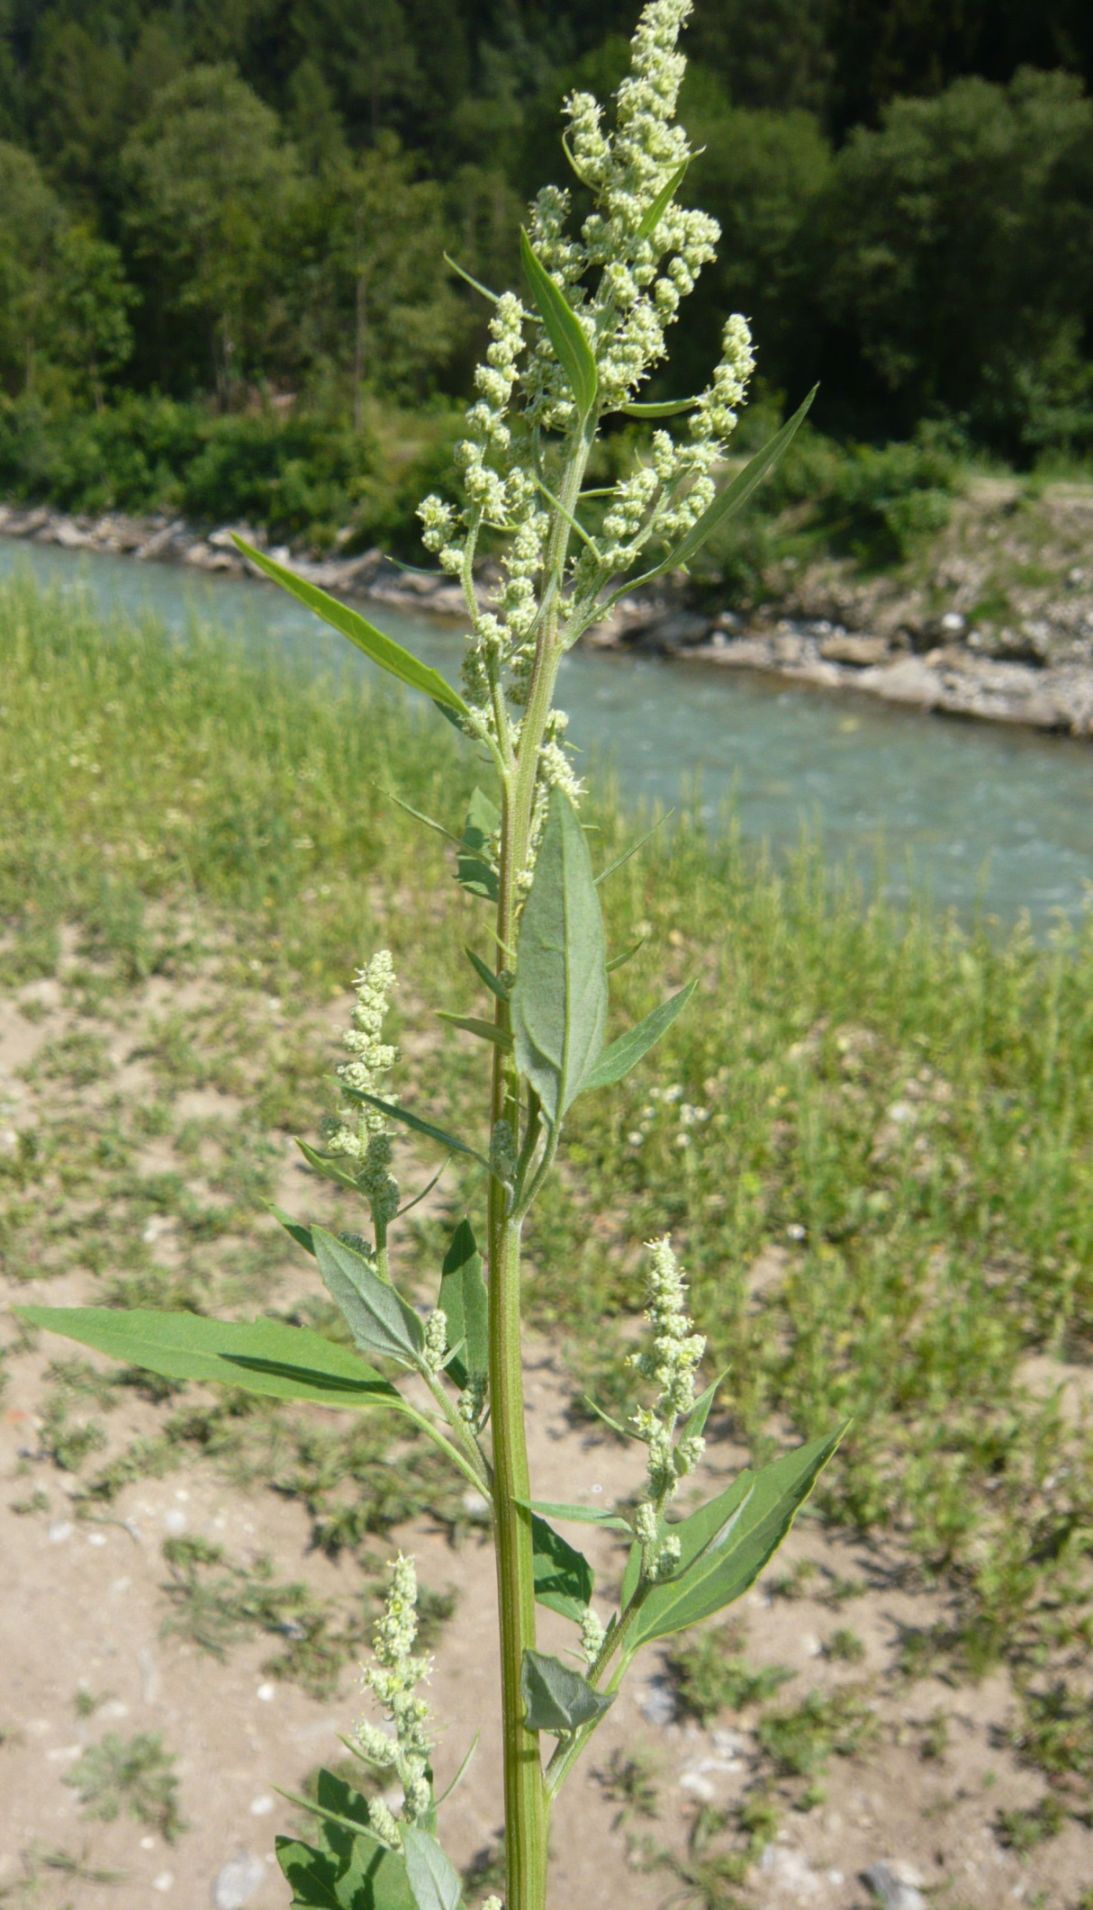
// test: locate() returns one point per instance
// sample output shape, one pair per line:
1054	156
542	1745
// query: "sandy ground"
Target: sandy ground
83	1606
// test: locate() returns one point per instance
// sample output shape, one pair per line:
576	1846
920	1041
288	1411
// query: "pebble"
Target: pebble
175	1519
658	1705
261	1806
790	1869
895	1885
238	1881
267	1693
96	1538
164	1882
60	1530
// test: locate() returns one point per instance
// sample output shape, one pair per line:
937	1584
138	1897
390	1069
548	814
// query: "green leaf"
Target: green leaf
563	1576
734	497
579	1514
284	1362
465	1302
474	1025
486	975
559	1000
474	870
620	961
350	1869
564	329
475	284
658	408
695	1423
557	1699
655	212
300	1234
625	1053
327	1166
634	847
414	1121
378	1318
383	650
616	1425
434	1880
725	1544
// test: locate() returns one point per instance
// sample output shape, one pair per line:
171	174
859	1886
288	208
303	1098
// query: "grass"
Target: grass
131	1775
871	1139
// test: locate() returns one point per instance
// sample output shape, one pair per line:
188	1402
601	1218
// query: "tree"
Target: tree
377	233
30	225
957	237
211	187
89	330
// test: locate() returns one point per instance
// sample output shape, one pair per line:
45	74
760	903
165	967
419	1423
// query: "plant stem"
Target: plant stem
526	1798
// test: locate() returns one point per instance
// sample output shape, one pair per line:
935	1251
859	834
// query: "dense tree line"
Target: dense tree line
224	200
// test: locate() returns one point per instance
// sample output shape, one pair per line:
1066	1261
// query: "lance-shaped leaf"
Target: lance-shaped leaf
557	1699
628	954
396	1113
564	329
658	407
695	1423
733	498
620	861
474	1025
328	1165
559	999
656	210
563	1576
486	975
725	1544
474	870
465	1303
285	1362
433	1878
625	1053
578	1514
383	650
377	1316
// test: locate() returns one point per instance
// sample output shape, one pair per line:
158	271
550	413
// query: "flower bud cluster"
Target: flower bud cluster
435	1345
362	1133
393	1678
669	1361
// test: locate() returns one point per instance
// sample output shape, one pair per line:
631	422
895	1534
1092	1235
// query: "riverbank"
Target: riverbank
949	640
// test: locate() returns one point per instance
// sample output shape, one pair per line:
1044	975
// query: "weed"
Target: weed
844	1647
630	1780
134	1775
801	1740
1023	1830
710	1679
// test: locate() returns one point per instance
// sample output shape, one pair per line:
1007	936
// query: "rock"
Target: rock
238	1882
909	680
658	1704
842	647
895	1886
953	623
680	630
160	541
789	1870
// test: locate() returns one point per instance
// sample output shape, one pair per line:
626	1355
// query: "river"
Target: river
980	818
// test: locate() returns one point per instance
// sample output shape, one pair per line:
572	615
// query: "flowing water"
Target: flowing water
984	819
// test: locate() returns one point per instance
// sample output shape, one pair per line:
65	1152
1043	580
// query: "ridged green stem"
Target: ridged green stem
526	1798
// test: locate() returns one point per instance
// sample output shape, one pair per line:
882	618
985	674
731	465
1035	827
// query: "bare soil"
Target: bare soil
84	1604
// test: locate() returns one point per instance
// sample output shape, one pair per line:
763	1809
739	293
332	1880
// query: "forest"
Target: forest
222	232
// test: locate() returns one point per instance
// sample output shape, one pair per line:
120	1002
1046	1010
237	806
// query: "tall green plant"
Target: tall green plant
575	347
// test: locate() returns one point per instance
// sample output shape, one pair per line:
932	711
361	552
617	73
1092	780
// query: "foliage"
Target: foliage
134	1775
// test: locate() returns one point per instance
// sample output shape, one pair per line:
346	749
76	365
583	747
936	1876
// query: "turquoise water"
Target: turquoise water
981	818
